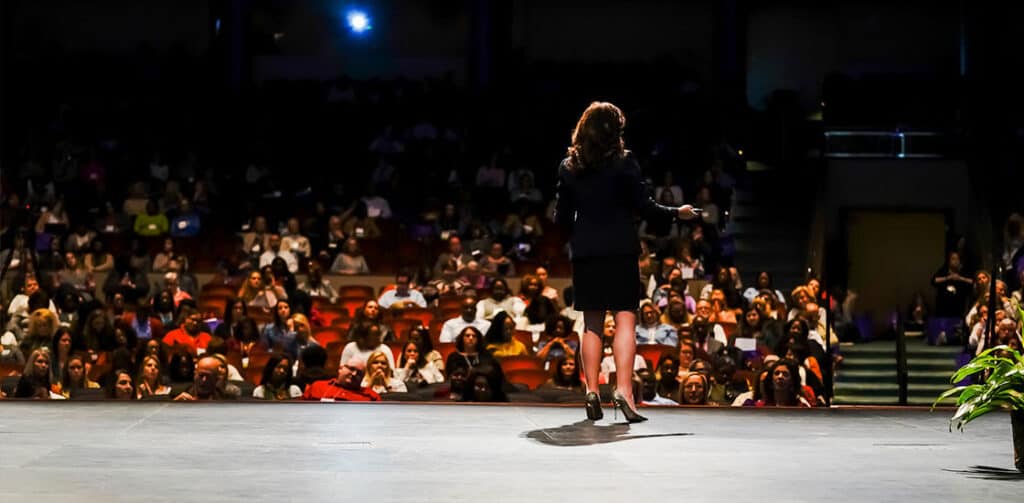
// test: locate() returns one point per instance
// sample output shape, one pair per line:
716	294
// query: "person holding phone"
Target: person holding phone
599	194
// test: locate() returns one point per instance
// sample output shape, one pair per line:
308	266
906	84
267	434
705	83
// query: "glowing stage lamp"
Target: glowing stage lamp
358	21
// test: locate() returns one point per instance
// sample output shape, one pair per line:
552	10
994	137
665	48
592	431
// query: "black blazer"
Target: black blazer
598	207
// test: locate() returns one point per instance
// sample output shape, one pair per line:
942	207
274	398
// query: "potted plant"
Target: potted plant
1000	374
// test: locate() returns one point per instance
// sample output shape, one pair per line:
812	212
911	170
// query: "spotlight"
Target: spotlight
358	21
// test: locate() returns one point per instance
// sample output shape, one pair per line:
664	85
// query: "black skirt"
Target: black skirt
606	283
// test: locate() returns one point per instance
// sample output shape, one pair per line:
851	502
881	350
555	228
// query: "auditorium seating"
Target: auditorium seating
531	378
510	363
652	352
325	336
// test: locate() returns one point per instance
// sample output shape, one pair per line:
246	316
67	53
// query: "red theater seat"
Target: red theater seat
532	378
511	363
652	352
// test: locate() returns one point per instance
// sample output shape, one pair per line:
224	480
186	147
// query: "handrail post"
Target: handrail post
902	376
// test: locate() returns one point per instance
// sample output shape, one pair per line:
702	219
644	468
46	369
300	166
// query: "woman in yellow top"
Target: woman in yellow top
499	337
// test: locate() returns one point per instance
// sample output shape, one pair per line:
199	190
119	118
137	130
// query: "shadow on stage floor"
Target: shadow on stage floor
588	433
989	473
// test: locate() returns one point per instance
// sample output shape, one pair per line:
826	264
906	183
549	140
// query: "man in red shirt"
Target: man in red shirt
190	334
347	387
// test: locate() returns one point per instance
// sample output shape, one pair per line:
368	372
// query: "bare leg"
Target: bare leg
592	348
624	349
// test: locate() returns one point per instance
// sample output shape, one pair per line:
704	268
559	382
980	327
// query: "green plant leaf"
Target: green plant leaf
1003	388
948	393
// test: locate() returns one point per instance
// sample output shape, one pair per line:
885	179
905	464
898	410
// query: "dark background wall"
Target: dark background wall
562	30
793	44
907	184
111	26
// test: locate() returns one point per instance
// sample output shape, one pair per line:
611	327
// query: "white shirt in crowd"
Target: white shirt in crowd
289	258
19	305
429	372
395	385
351	349
487	308
451	328
390	297
608	365
576	317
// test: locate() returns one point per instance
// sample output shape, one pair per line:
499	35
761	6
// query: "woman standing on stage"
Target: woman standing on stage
600	192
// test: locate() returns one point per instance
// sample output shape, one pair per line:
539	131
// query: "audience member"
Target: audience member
402	297
650	330
952	290
122	386
500	300
469	348
346	387
555	342
350	260
380	374
191	335
293	240
35	379
150	378
782	388
371	313
274	250
366	340
276	382
316	285
485	383
414	369
206	384
74	379
469	317
311	367
693	390
566	376
500	340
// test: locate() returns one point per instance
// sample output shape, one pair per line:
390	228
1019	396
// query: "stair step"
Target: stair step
929	374
889	374
867	374
893	400
868	352
914	346
762	240
912	361
864	400
887	386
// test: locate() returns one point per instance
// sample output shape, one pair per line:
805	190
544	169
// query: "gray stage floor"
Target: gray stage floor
413	452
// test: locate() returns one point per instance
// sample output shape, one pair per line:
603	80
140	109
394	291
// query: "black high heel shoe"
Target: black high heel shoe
593	403
621	404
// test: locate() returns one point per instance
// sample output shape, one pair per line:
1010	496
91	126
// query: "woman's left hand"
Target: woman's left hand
686	212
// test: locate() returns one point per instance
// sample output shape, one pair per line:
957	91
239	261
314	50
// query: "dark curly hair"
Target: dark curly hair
598	136
795	388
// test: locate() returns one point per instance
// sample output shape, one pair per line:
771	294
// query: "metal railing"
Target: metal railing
887	144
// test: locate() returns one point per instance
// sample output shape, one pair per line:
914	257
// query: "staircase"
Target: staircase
868	373
768	224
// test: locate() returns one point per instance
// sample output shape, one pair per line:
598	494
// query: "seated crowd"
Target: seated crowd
958	292
102	298
268	336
